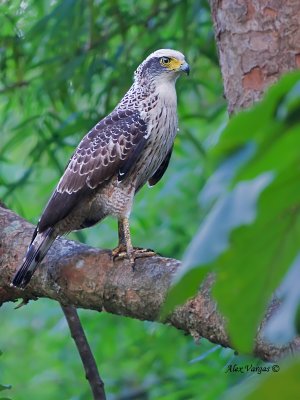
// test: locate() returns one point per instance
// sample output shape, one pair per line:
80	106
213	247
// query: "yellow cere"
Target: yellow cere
174	63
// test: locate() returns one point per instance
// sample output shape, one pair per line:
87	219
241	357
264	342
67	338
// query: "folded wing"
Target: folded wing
111	147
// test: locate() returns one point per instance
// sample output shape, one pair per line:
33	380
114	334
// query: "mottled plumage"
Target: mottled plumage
129	147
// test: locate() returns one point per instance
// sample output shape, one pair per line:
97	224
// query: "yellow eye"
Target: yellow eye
165	61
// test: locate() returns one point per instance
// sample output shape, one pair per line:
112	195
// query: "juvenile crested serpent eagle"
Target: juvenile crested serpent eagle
129	147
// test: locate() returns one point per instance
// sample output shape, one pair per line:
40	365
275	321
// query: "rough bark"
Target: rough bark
258	40
75	274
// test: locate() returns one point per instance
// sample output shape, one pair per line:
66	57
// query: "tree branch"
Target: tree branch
86	355
75	274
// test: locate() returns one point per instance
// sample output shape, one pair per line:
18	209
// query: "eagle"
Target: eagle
128	148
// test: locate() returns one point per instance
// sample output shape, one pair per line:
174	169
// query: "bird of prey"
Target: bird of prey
129	147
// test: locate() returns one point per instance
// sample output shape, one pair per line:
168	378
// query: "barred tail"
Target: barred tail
38	248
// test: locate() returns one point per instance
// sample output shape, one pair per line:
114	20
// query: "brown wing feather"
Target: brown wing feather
112	143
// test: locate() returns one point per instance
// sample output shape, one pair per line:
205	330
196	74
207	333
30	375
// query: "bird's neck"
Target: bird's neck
143	89
166	92
159	87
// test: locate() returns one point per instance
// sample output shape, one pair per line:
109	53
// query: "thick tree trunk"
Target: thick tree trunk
258	40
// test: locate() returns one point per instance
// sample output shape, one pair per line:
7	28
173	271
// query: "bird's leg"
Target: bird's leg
124	236
125	247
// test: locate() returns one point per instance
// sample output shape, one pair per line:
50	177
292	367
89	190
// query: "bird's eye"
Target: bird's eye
165	60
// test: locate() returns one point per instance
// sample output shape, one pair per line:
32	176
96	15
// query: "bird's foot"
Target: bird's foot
140	252
121	252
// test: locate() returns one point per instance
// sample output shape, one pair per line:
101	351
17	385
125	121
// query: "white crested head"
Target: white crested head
166	64
167	53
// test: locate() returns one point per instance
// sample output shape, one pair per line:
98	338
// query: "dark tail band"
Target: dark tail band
40	244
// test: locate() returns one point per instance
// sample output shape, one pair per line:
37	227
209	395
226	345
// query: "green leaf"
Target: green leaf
231	211
257	259
188	285
282	326
288	109
4	387
252	124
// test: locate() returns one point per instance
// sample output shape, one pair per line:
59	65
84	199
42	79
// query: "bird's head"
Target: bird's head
163	64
